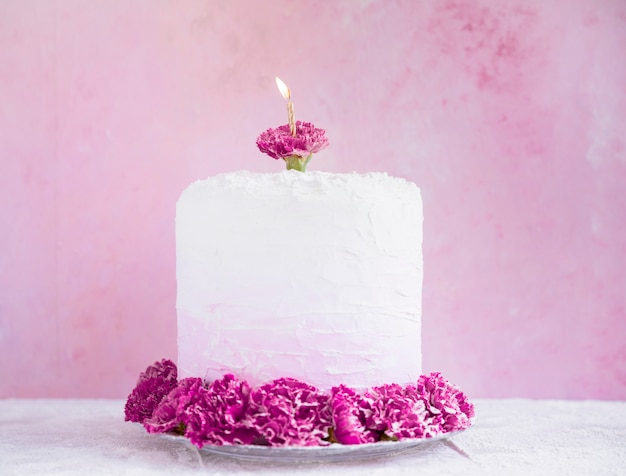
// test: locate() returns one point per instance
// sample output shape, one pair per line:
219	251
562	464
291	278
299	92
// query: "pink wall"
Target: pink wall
510	115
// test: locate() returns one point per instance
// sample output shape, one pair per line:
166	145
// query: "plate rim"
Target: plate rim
319	453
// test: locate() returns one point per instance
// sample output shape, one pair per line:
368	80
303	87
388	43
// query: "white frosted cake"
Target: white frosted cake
315	276
299	311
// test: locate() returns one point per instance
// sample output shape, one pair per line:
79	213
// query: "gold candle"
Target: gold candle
284	90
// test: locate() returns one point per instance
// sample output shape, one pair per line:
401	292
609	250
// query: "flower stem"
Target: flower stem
296	162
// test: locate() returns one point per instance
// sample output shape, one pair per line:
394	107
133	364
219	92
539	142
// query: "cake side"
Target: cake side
314	276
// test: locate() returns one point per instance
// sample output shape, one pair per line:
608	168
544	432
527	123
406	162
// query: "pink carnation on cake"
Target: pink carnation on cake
350	413
220	416
446	402
397	411
173	411
289	412
152	385
296	150
165	369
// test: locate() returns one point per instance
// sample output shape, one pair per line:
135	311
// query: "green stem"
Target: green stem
296	162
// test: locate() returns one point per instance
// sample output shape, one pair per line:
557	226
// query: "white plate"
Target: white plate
334	452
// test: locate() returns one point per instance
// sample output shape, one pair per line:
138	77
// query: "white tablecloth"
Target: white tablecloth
510	437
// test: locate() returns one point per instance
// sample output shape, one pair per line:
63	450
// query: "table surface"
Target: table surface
510	437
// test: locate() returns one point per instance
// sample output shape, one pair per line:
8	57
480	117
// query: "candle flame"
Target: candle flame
282	87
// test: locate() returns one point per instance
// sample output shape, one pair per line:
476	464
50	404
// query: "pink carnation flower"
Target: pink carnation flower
280	144
398	412
350	414
174	408
447	404
165	369
218	416
289	412
153	384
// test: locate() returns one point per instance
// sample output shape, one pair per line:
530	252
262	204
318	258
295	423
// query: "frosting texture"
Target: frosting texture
313	276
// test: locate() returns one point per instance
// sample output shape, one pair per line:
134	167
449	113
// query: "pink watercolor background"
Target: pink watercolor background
510	116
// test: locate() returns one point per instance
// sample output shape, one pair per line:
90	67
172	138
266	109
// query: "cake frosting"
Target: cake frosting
313	276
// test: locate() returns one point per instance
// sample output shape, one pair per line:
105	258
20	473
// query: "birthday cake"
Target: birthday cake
299	311
315	276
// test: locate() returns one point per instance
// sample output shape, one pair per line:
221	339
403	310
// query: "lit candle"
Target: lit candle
284	90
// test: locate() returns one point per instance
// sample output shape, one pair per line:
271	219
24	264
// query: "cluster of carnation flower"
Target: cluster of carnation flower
278	143
287	412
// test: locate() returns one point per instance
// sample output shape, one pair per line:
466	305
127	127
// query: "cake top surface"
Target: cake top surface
371	183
